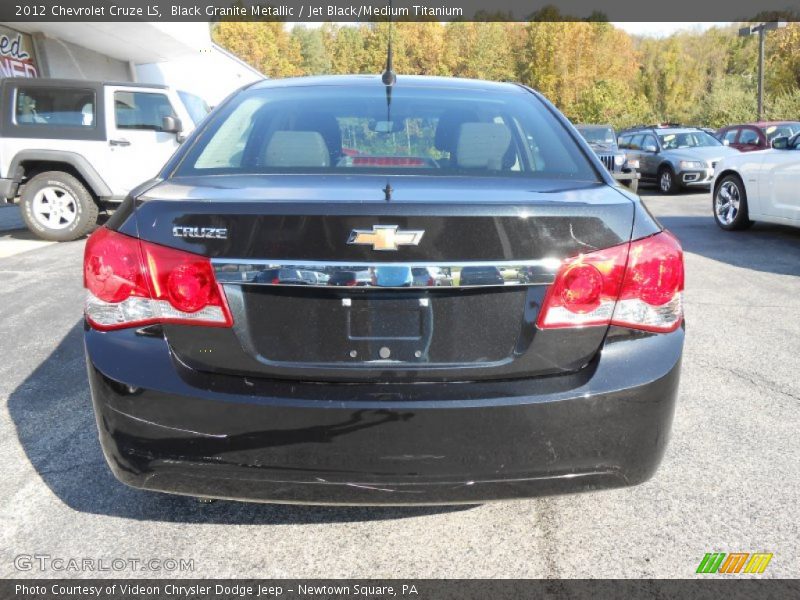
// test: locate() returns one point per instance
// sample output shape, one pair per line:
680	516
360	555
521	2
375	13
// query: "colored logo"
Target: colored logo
385	237
735	562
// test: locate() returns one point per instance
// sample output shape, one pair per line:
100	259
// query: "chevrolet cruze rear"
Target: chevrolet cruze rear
548	361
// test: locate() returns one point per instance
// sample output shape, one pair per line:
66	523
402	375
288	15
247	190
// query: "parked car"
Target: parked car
747	137
759	187
481	275
392	276
313	277
674	157
603	140
350	278
430	277
280	276
350	394
70	148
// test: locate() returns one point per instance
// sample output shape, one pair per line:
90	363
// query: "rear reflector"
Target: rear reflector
132	283
637	285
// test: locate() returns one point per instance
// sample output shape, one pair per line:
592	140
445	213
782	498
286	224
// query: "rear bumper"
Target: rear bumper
165	427
626	175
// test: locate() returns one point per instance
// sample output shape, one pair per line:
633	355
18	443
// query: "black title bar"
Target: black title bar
400	10
704	587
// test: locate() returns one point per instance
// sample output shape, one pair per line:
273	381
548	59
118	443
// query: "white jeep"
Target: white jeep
70	148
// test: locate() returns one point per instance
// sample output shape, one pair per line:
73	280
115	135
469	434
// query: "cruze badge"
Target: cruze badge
385	237
215	233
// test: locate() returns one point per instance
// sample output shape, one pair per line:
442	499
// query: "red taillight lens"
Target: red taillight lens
584	290
112	268
581	289
636	285
651	297
185	280
130	282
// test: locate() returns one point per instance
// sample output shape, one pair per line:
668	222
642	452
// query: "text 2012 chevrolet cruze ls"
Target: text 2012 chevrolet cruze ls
212	376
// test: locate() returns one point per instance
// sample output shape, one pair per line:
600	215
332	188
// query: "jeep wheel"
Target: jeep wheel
666	181
57	207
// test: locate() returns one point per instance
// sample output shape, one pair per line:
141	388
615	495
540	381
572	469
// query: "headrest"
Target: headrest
448	127
296	149
328	127
482	145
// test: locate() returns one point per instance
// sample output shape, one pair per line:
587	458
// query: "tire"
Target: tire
729	204
57	207
632	185
666	181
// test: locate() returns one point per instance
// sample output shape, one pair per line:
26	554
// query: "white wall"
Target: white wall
212	74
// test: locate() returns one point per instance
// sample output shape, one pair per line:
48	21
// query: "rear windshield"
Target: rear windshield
339	129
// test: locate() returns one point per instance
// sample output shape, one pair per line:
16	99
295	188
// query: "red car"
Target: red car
756	136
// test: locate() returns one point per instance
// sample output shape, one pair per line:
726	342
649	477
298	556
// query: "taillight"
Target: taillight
651	297
131	282
637	285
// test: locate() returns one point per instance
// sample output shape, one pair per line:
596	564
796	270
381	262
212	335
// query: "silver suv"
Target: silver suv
674	157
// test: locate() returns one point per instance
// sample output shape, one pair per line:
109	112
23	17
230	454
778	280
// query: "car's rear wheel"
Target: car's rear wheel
57	207
730	204
666	181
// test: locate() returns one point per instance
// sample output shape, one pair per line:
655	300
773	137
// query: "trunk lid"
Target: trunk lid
308	305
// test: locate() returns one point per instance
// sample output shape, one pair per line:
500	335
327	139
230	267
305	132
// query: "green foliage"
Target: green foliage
591	70
316	60
784	107
731	101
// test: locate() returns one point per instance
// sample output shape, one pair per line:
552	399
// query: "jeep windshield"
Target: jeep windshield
597	134
688	139
423	130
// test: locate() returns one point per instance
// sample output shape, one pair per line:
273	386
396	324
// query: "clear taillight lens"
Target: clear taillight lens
638	285
130	283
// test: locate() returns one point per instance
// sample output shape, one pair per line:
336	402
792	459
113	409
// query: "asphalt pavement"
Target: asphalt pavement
730	480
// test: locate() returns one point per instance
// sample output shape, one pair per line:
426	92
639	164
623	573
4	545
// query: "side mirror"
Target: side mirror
171	125
780	143
650	148
726	143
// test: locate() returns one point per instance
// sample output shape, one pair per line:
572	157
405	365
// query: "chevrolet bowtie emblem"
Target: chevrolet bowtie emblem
385	237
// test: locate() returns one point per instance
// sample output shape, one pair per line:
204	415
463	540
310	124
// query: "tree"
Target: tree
315	58
265	45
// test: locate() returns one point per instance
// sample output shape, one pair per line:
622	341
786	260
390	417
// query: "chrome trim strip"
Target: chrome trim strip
299	273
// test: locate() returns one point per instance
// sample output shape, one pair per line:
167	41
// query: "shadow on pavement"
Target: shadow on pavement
55	424
763	247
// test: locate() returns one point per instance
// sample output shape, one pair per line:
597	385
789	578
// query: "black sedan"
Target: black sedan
252	387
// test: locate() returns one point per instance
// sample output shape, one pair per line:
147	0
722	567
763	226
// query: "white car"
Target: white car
69	148
759	186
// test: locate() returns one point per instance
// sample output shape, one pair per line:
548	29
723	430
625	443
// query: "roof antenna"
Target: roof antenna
388	77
